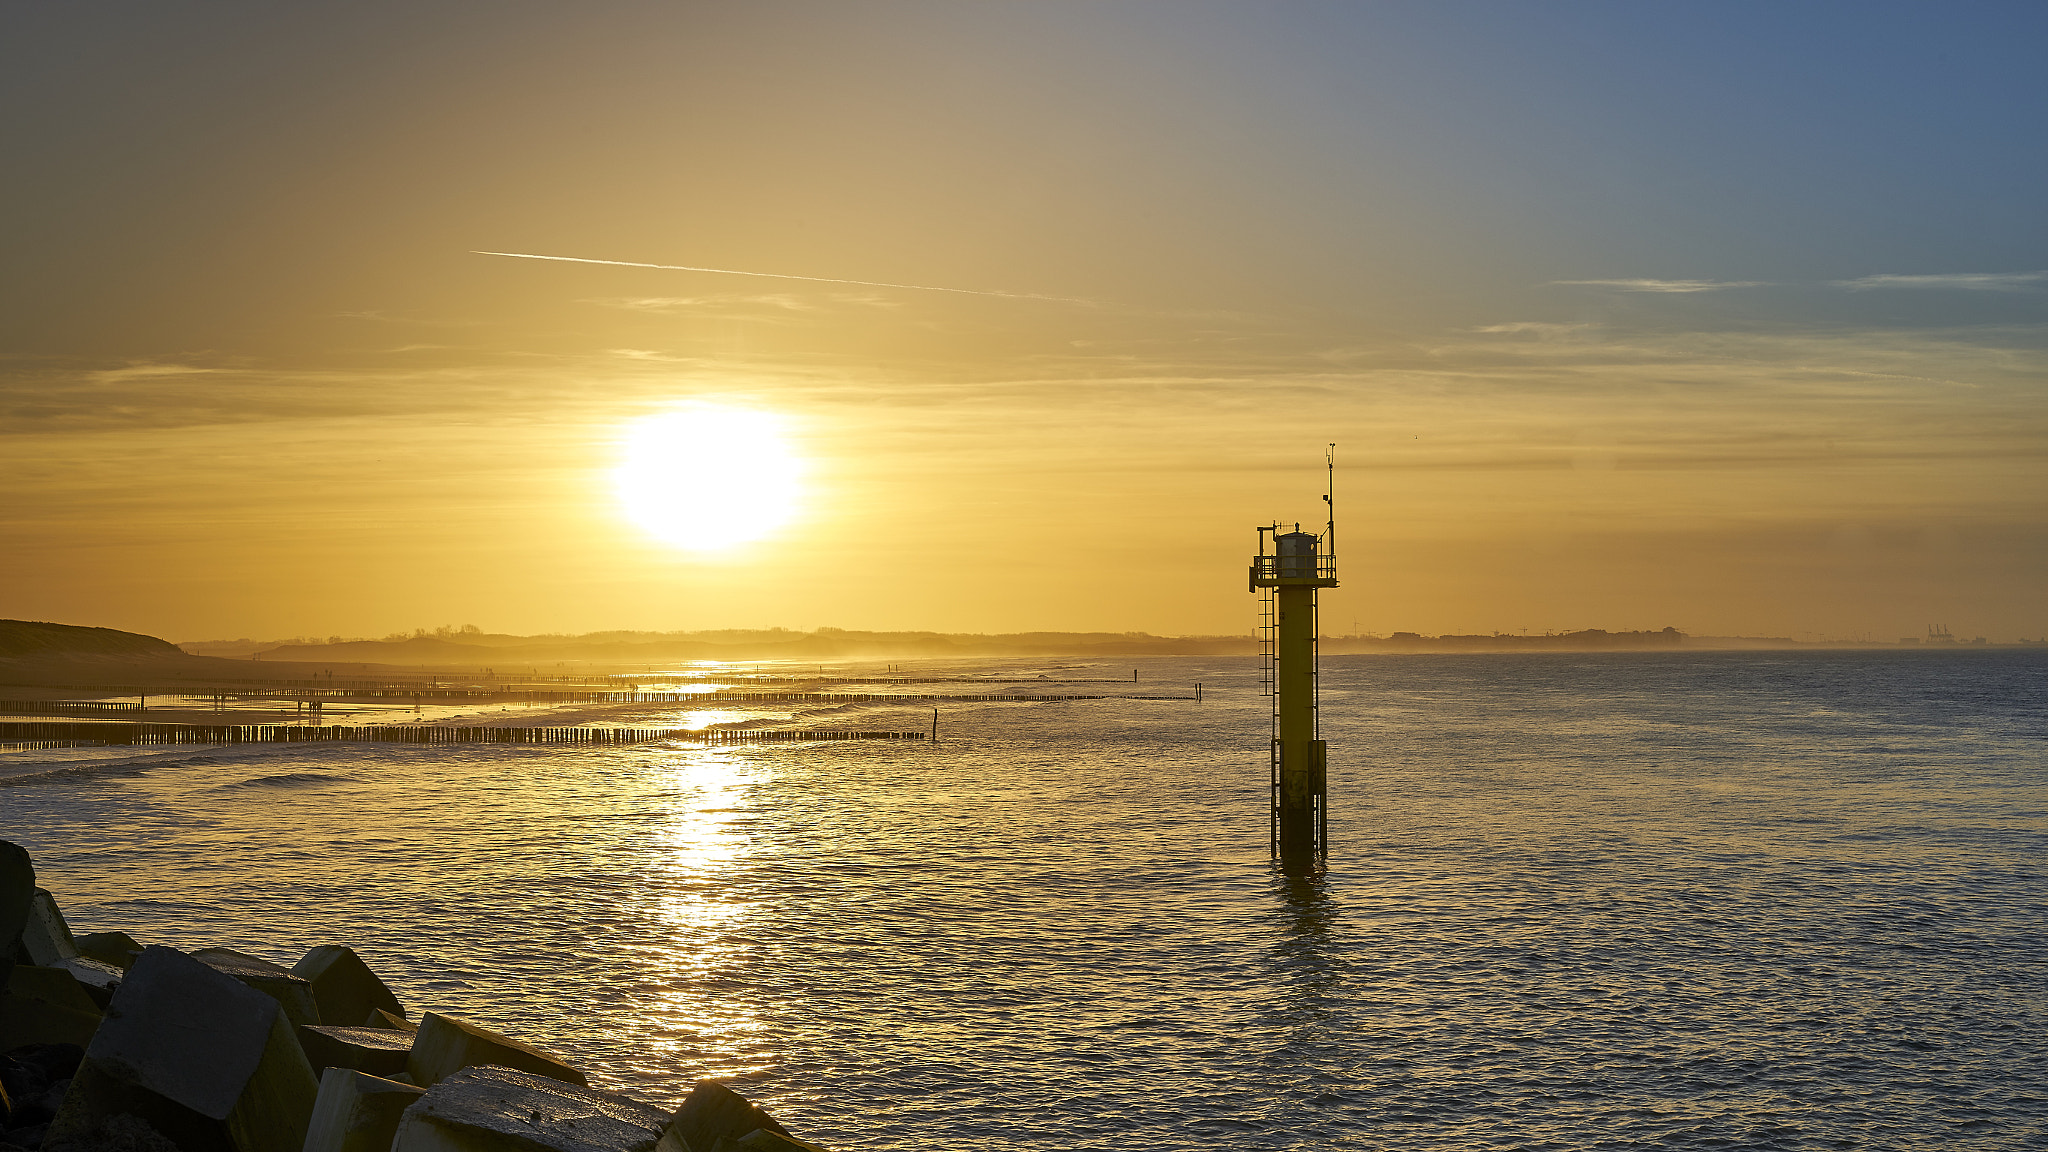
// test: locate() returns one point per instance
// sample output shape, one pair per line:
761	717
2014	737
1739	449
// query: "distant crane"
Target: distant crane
1288	569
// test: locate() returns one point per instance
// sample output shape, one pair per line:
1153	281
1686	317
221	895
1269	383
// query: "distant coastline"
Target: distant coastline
466	648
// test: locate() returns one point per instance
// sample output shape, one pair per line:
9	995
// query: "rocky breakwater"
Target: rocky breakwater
109	1045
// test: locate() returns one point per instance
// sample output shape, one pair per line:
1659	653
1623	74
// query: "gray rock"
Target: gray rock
52	1098
444	1046
378	1051
29	1070
345	988
45	936
711	1114
273	980
204	1061
122	1133
504	1110
357	1112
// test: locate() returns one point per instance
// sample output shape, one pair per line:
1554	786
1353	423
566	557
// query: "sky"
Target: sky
1730	316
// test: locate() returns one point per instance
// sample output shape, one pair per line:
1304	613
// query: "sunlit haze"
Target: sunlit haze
1727	317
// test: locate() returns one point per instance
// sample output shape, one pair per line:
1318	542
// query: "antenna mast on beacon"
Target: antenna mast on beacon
1288	569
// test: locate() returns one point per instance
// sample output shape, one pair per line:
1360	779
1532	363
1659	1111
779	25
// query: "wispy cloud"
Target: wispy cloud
391	318
1666	285
1966	281
785	276
728	303
148	371
676	304
1540	328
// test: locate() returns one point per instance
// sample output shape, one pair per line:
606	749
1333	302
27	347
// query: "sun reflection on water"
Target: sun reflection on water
697	923
699	719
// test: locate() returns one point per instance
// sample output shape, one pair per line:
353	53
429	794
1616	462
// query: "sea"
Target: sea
1730	900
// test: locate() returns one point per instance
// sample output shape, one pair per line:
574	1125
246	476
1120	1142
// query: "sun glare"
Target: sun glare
707	478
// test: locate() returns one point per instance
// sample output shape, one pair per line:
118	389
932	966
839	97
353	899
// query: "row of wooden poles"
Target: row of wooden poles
439	686
32	732
95	707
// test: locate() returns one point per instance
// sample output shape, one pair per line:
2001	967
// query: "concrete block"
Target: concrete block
17	889
273	980
31	1021
45	936
344	987
504	1110
357	1112
713	1113
378	1051
53	986
762	1140
100	981
116	948
205	1061
379	1018
444	1046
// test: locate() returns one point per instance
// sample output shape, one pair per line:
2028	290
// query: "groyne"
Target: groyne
121	732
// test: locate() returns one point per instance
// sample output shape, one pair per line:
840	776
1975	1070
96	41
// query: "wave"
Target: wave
47	773
286	780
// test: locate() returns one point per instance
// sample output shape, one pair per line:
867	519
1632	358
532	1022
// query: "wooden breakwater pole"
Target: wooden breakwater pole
1288	570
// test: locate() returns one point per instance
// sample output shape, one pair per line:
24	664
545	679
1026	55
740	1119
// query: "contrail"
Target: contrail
786	276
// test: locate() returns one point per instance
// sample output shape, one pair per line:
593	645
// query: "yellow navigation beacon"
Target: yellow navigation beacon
1288	569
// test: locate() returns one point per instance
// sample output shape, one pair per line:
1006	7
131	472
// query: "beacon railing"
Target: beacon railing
1318	567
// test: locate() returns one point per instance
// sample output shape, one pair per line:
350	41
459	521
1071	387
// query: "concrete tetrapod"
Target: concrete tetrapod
209	1064
273	980
357	1112
710	1115
344	987
489	1109
444	1046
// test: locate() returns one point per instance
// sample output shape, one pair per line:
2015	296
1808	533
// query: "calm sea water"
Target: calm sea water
1735	900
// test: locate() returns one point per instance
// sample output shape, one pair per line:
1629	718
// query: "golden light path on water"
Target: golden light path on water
701	848
706	477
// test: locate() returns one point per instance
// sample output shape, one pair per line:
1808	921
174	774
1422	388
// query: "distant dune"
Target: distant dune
1584	640
605	648
36	639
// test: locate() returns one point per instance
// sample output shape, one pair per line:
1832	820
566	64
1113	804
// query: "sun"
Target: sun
705	478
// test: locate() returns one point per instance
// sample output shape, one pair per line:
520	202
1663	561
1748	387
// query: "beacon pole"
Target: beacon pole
1289	568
